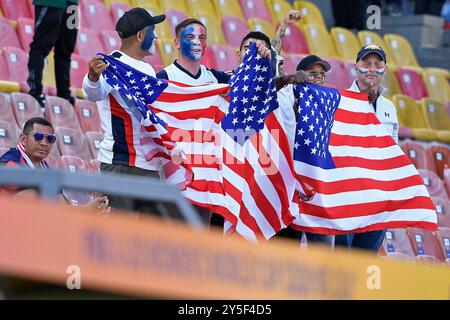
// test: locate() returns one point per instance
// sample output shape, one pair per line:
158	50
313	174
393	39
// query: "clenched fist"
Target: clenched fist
96	67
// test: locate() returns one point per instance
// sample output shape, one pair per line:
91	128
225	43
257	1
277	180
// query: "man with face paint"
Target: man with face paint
121	151
371	68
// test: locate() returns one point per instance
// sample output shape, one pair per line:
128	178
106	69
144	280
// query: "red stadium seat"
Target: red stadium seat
294	41
88	116
8	36
94	165
110	40
434	185
17	62
411	83
255	9
61	113
88	43
53	162
443	236
94	139
94	15
73	163
208	59
399	257
223	57
25	107
443	211
174	17
291	61
418	155
337	76
117	10
9	134
155	60
441	156
25	31
6	112
13	9
424	243
234	30
396	241
78	69
72	143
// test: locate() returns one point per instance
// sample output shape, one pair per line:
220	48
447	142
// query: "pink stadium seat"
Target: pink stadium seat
17	63
255	9
88	116
6	113
208	59
94	165
72	143
447	180
94	139
8	36
61	113
25	107
291	61
411	83
441	156
9	134
443	211
443	236
294	41
434	185
155	60
78	69
73	163
337	76
13	9
396	241
418	155
25	31
94	15
88	43
110	40
31	8
223	57
425	243
234	30
53	162
399	257
117	10
174	17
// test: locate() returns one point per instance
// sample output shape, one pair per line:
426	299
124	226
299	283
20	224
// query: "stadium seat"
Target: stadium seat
319	41
411	83
278	9
155	59
437	118
25	32
234	30
72	143
8	36
424	243
255	9
9	134
447	181
88	116
410	115
224	57
229	8
6	85
434	185
345	42
3	150
390	82
311	14
17	63
88	43
205	6
110	40
93	140
73	163
443	211
369	37
396	241
13	9
418	155
215	34
399	257
437	85
174	17
78	69
94	165
401	51
294	41
117	10
61	113
95	15
167	50
6	112
179	5
441	156
262	26
291	61
25	107
52	161
443	236
162	29
337	76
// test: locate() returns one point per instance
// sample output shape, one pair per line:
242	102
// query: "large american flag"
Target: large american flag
363	180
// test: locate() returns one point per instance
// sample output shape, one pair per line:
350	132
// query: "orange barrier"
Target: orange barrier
149	257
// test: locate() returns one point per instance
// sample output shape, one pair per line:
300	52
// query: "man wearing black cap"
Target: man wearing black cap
371	68
120	150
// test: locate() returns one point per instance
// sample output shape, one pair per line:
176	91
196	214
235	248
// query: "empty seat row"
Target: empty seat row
434	157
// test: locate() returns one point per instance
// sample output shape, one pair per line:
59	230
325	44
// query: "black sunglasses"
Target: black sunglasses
38	136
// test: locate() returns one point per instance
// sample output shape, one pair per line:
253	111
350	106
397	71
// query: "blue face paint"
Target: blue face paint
193	37
187	44
148	39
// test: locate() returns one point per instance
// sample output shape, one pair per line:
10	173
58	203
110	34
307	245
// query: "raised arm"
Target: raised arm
94	86
292	17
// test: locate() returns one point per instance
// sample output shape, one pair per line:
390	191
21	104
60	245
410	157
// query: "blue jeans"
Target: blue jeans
371	240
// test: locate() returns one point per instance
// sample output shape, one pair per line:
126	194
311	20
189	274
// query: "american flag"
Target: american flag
363	180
